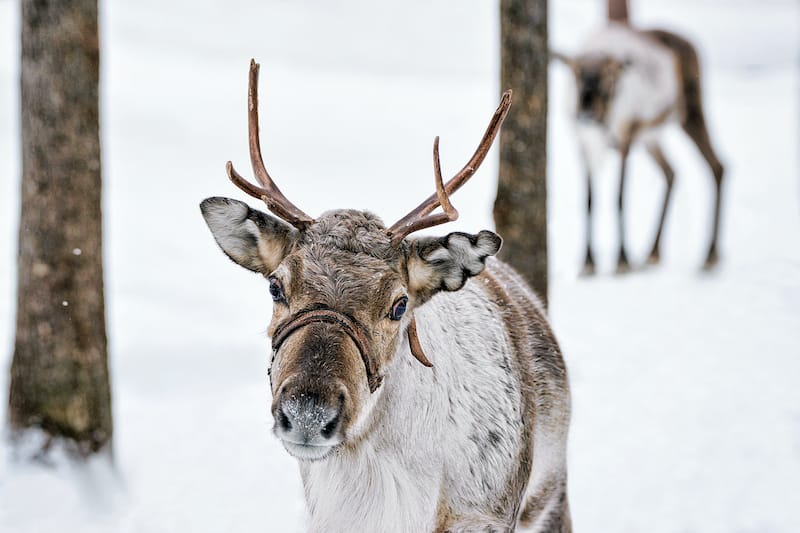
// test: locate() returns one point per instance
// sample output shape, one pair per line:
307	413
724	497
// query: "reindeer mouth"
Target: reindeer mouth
308	452
587	117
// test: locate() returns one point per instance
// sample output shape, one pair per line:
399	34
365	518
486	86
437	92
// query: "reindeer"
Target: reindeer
416	380
629	84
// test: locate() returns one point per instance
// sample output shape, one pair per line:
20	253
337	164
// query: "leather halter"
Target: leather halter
355	331
413	343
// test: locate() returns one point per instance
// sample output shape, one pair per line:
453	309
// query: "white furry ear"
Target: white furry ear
249	237
445	263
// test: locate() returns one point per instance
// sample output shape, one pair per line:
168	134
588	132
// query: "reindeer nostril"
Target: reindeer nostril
330	427
283	421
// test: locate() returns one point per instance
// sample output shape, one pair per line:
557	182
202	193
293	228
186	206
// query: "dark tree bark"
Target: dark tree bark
618	10
59	373
520	209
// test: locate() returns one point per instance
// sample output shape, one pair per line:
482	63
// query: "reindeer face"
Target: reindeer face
343	294
324	373
596	78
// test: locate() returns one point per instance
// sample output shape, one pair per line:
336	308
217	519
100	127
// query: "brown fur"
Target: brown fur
527	326
334	265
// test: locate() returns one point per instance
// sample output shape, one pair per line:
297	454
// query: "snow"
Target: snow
686	404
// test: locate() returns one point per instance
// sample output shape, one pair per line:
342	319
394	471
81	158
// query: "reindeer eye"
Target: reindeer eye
398	308
276	290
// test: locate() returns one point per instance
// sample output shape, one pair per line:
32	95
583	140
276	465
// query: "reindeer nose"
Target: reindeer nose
307	418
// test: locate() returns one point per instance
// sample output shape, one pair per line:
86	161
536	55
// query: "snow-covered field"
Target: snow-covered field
685	385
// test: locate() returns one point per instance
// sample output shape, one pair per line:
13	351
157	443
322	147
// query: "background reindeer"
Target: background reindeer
629	84
385	442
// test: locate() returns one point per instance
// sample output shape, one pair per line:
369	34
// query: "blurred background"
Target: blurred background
685	384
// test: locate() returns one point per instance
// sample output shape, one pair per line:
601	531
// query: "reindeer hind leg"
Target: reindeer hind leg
654	149
694	124
696	129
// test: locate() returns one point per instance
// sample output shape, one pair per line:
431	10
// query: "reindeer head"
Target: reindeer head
344	289
596	77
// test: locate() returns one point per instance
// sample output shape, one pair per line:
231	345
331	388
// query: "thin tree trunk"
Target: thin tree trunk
520	209
59	373
618	10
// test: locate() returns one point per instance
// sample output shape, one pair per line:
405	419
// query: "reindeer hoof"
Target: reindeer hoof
711	260
654	258
588	270
623	267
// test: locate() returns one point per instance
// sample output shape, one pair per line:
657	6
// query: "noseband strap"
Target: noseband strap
353	329
414	344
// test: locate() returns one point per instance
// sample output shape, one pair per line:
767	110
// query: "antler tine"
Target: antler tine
417	219
264	195
268	192
450	213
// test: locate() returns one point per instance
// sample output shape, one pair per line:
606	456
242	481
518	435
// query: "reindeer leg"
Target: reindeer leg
695	126
654	149
588	263
622	261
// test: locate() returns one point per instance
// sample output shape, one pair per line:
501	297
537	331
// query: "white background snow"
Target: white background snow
686	386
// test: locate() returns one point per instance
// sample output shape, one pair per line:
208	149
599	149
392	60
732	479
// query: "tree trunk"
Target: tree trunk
59	373
520	209
618	10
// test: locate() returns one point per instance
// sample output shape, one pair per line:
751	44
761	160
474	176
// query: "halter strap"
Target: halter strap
353	329
414	344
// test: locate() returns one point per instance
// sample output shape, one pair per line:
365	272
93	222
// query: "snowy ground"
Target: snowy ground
685	385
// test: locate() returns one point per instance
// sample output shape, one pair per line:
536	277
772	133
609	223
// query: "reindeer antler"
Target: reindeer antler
268	192
420	217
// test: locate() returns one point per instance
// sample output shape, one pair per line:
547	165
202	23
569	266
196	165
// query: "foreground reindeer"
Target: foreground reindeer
416	380
629	84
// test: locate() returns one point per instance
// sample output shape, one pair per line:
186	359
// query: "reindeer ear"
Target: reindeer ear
250	238
564	58
445	263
